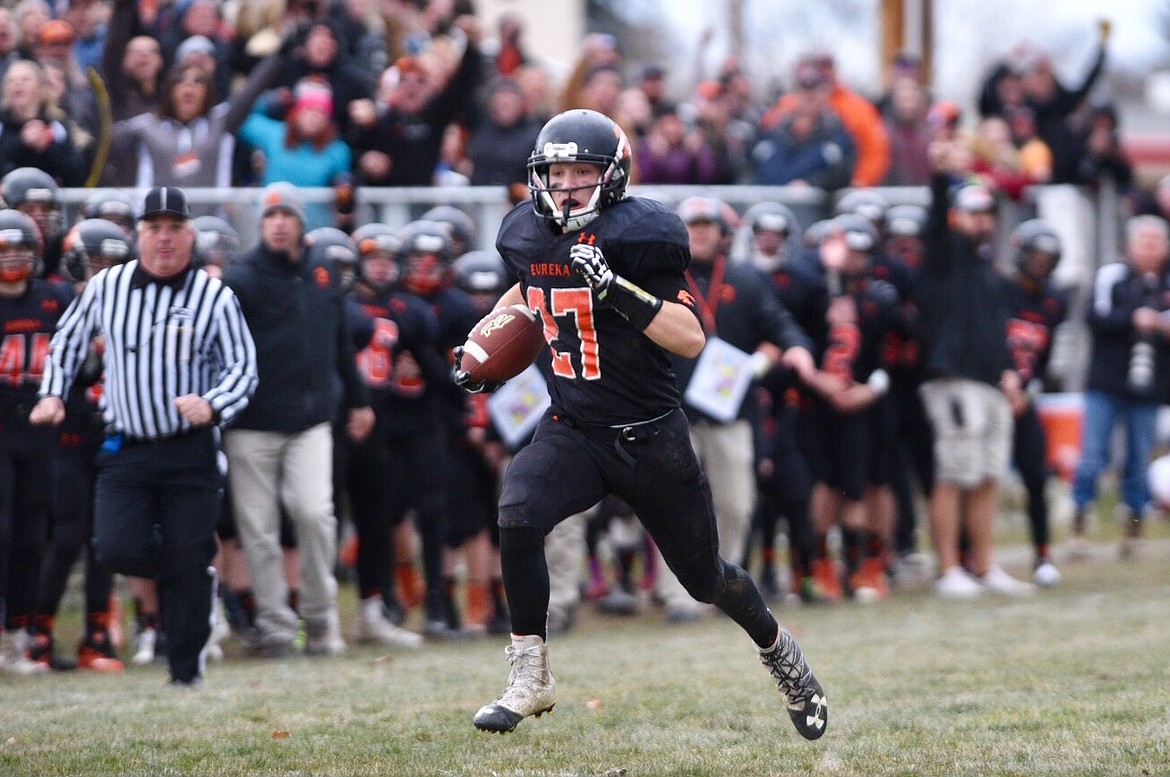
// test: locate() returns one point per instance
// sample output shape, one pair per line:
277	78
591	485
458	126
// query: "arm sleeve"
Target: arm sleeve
357	394
933	257
1070	100
70	344
123	26
873	145
775	323
261	78
239	377
1105	315
447	104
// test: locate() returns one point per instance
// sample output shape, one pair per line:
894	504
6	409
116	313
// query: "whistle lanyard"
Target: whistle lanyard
709	303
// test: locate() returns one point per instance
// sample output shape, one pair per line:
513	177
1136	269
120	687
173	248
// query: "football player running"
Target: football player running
606	273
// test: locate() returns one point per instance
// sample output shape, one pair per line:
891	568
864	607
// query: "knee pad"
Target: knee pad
516	517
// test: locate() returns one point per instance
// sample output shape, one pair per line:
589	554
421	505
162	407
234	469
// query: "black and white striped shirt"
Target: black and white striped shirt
163	339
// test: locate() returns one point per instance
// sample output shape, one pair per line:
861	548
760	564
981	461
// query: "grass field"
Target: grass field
1071	682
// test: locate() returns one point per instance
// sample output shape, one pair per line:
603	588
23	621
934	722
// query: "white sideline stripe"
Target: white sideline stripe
476	351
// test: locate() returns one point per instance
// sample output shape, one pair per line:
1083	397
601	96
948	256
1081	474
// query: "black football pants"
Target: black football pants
568	467
26	456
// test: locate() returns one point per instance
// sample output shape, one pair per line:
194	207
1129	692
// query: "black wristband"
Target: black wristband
638	306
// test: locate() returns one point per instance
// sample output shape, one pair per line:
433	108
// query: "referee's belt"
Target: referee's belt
129	439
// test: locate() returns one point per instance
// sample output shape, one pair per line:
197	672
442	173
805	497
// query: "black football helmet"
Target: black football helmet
34	192
773	233
710	209
216	241
481	272
580	136
376	236
772	216
906	221
331	247
18	231
92	245
1038	249
376	239
111	205
817	232
463	230
426	256
864	202
904	233
860	233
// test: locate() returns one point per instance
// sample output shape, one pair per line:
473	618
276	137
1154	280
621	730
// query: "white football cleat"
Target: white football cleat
531	688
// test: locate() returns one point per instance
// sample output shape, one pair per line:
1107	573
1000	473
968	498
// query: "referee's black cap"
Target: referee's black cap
165	201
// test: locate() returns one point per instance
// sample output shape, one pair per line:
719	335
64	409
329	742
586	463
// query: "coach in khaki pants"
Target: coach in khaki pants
280	451
738	307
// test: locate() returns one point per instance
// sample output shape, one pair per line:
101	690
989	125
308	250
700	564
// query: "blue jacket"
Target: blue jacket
824	158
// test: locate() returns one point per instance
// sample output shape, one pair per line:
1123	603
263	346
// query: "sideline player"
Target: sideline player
606	274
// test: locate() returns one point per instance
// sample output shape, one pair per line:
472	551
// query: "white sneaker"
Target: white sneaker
912	572
14	654
374	626
1046	575
1000	582
957	583
220	630
324	638
531	688
144	645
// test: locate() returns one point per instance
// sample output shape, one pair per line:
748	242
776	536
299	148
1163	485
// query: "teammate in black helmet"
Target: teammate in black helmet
1036	307
34	193
606	273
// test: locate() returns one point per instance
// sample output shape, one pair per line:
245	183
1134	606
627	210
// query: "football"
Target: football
502	344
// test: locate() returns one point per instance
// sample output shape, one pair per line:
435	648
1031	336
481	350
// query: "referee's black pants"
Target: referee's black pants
155	514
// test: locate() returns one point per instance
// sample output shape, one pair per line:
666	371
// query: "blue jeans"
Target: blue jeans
1101	414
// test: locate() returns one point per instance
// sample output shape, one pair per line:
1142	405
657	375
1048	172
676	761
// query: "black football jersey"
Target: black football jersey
602	370
27	324
1032	320
384	324
853	349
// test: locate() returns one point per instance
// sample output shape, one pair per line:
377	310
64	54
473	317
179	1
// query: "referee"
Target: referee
178	360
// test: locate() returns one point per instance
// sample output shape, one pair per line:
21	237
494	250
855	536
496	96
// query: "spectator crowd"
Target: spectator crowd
891	355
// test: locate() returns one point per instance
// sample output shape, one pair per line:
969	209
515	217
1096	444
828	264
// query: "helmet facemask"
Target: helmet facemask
17	262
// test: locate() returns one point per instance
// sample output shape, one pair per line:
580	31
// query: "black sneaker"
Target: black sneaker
807	706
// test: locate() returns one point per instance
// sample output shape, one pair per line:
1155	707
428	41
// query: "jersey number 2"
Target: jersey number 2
577	303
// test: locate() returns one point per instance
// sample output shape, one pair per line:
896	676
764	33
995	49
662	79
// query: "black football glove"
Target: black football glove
637	306
463	379
589	263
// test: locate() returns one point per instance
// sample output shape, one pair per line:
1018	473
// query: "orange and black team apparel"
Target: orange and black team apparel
606	273
29	311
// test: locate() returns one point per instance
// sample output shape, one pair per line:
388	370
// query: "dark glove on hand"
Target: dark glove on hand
636	305
463	380
590	265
